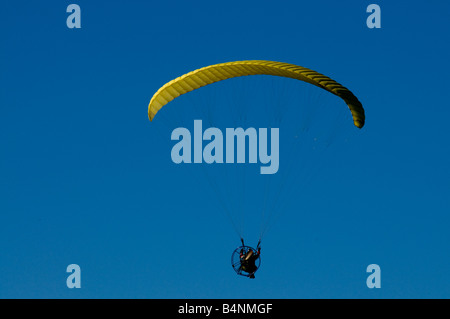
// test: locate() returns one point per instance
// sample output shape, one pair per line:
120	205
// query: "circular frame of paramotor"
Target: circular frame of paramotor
237	258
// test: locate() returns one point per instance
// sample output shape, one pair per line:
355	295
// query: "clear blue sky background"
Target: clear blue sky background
85	179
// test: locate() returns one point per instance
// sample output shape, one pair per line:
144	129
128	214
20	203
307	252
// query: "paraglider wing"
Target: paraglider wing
218	72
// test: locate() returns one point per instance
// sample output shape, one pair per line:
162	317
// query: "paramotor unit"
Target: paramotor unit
246	260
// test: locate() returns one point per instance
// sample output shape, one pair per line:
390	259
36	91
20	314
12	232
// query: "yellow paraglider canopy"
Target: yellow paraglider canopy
218	72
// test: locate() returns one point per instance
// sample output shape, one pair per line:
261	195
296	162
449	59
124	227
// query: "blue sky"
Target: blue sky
87	179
